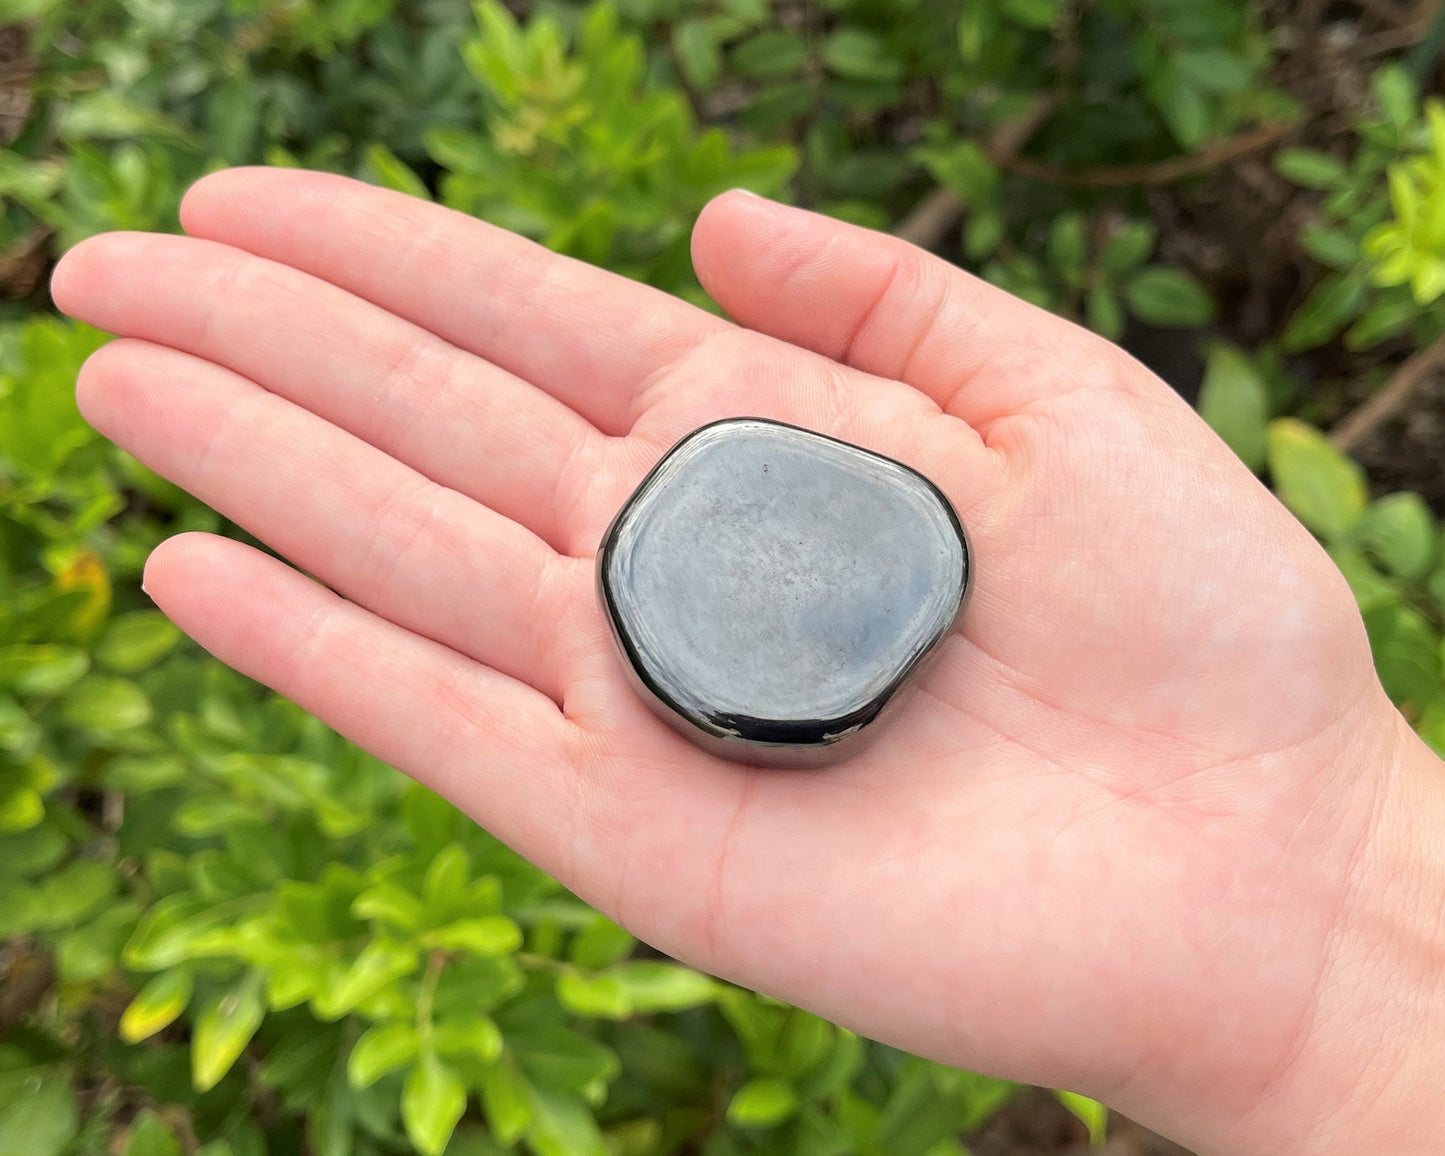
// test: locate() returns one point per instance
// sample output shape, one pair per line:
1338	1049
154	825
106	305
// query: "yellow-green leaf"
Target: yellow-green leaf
156	1005
1322	487
762	1104
381	1049
223	1030
1094	1115
135	641
432	1101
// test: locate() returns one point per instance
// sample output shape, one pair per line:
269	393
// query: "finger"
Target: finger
590	338
416	553
455	418
889	308
495	747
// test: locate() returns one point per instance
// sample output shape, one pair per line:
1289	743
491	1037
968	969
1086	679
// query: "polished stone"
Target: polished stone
771	589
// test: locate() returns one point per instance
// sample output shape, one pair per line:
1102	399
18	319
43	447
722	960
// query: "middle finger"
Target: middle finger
459	420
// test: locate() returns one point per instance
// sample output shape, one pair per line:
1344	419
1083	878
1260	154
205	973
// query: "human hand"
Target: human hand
1141	832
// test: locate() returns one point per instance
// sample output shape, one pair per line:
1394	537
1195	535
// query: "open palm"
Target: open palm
1104	846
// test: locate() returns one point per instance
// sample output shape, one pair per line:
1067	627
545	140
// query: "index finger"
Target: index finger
590	338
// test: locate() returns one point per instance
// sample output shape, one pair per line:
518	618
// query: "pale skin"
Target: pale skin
1149	828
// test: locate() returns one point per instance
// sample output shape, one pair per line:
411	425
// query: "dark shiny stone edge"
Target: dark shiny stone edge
812	742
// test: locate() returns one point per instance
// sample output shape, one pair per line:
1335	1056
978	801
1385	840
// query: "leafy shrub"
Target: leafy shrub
228	931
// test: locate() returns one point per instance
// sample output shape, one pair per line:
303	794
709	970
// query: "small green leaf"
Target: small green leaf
1325	312
562	1125
379	964
1395	92
223	1030
393	173
151	1136
381	1049
489	935
1106	315
156	1005
696	48
859	55
106	705
135	641
769	55
21	808
1168	297
1324	489
1039	14
655	986
599	943
762	1104
1235	403
1387	317
507	1100
1309	167
1400	531
1128	248
444	889
389	903
41	669
474	1036
1068	244
38	1115
1091	1113
432	1101
593	995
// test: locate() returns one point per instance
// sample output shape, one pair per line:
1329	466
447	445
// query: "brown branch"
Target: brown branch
1161	173
1387	11
933	216
1396	394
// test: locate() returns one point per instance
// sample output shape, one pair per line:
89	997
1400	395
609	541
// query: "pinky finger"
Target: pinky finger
495	747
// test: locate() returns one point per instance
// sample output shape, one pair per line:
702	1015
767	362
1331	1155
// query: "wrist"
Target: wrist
1370	1063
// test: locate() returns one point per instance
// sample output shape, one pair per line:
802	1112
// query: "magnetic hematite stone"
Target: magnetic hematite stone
771	589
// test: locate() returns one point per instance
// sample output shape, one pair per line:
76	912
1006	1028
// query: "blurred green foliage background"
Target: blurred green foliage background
223	930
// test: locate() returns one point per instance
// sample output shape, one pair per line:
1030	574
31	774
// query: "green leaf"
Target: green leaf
1068	244
380	963
432	1101
762	1104
223	1030
1407	654
106	705
157	1005
475	1036
860	55
76	891
136	641
1324	489
1039	14
593	995
1168	297
38	1115
489	935
1128	248
1387	317
696	48
655	986
564	1060
769	55
1396	95
1309	167
1325	312
1093	1115
381	1049
151	1136
21	808
392	172
390	904
1235	403
599	943
1106	315
41	669
1400	531
507	1099
445	888
563	1125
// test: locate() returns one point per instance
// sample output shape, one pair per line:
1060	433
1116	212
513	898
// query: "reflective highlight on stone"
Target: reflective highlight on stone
771	590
